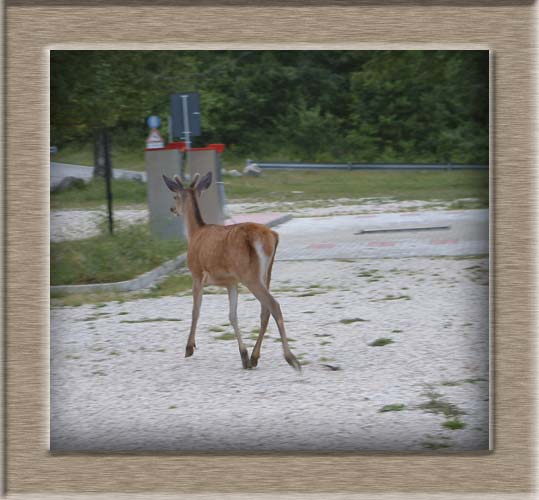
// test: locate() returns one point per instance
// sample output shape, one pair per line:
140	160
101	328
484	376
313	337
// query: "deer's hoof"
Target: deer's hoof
189	350
293	362
245	359
254	361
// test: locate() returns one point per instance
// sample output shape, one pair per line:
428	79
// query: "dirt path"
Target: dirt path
120	381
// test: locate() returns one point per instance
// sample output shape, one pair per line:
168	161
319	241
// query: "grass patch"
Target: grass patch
351	320
172	285
474	380
105	258
216	329
437	405
393	407
367	274
392	297
278	186
226	336
149	320
450	383
323	185
324	359
83	154
312	292
432	445
454	424
381	342
93	194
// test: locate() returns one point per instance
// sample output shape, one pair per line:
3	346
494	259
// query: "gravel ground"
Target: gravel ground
119	380
76	224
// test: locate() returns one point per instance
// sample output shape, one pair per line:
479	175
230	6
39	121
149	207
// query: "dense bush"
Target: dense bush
395	106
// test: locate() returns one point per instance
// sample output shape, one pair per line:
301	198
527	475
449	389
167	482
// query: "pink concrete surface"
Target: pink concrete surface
266	218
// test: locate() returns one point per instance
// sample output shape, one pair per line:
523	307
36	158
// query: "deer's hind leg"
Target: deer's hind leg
233	317
197	301
267	300
264	320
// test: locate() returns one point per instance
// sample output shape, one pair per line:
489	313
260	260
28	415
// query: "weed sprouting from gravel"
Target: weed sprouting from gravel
324	359
226	336
432	445
454	424
352	320
216	329
393	407
393	297
149	320
475	380
450	383
381	342
437	405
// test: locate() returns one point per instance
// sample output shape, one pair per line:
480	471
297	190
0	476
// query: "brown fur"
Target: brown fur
226	256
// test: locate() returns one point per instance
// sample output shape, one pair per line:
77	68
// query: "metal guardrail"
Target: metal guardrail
365	166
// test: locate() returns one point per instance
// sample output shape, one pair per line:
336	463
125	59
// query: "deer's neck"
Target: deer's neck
193	218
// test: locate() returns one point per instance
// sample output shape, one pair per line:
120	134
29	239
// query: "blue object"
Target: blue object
153	121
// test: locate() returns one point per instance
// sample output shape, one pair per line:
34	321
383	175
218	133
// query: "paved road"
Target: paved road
340	237
61	170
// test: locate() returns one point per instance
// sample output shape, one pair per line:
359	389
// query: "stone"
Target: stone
69	183
252	169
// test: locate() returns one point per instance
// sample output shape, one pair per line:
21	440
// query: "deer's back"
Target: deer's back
228	254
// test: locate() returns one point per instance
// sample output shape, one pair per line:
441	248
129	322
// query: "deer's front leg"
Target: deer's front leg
197	301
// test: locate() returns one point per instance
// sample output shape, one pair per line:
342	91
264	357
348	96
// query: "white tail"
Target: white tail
225	256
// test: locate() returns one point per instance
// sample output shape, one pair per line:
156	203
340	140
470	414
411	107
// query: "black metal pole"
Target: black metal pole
108	175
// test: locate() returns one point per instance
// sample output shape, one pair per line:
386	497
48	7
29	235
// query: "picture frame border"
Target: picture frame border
30	32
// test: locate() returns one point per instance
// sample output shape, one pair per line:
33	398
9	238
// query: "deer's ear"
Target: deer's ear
204	183
172	185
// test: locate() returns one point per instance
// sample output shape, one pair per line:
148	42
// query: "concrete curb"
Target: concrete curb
280	220
144	280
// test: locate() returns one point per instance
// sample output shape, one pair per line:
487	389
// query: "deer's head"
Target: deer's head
182	194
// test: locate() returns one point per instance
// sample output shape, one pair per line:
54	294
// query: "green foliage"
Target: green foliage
392	407
398	106
308	186
454	424
121	156
104	258
94	194
382	341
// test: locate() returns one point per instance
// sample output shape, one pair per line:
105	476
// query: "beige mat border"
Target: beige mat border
507	30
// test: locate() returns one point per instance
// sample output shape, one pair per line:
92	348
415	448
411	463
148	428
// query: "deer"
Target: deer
226	256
